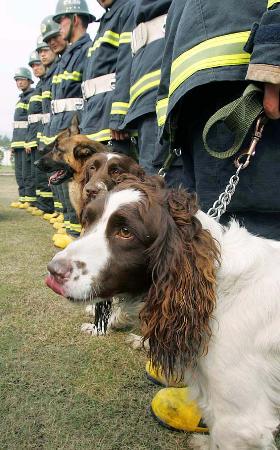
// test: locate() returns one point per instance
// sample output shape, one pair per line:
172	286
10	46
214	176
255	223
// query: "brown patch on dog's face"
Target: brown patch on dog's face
101	172
75	150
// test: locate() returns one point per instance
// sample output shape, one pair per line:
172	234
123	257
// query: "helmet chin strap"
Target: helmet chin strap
70	32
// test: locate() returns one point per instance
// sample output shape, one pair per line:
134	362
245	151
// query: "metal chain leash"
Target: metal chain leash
220	206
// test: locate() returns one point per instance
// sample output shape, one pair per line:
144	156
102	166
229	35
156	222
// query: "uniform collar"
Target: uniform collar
116	5
23	94
79	43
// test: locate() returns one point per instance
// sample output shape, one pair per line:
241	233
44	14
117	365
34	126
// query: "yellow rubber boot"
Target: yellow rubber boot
157	376
15	204
31	209
24	205
49	216
37	212
63	240
58	219
173	409
59	233
58	225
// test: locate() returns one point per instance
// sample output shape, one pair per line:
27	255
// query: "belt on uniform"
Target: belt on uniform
67	104
20	124
147	32
98	85
34	118
46	118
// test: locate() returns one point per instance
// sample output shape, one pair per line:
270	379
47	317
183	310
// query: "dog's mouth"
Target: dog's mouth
61	175
54	285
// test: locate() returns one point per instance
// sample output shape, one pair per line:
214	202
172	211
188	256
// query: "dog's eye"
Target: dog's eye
124	233
115	171
92	168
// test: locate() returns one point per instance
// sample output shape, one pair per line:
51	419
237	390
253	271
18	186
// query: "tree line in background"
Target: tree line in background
5	143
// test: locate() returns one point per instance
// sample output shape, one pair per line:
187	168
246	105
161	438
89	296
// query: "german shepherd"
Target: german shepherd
65	158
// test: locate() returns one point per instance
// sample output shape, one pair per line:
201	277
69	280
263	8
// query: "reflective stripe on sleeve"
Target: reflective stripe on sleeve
119	108
221	51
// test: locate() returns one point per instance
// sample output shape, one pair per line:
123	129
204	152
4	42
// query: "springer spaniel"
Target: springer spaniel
212	306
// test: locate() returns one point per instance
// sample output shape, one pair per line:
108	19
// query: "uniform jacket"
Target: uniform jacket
34	107
146	63
206	44
46	101
66	81
20	134
110	53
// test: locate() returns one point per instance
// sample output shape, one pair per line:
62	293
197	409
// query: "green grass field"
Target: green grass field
60	389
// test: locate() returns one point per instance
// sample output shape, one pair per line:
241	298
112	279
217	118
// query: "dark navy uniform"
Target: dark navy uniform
26	185
45	136
66	85
44	197
148	48
205	67
108	66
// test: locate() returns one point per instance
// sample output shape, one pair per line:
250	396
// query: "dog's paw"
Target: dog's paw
90	310
135	341
199	442
91	329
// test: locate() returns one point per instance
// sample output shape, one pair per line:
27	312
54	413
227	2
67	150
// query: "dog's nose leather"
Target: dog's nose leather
60	269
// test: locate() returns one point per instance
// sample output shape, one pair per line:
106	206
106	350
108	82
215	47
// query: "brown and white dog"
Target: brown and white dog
212	309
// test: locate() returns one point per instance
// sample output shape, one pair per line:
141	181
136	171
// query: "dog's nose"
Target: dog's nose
60	269
92	192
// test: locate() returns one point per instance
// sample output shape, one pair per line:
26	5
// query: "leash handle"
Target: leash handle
238	116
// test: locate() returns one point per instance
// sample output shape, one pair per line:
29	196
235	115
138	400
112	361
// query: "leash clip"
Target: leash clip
243	160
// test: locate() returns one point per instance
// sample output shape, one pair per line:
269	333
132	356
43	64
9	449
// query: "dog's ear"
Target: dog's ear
73	130
74	127
83	151
177	311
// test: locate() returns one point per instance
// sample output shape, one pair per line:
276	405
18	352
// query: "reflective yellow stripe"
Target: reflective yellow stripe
103	135
17	144
30	144
67	224
60	205
75	227
67	76
48	140
119	108
147	82
272	2
30	199
21	199
47	194
22	105
47	94
39	135
125	38
35	98
161	109
110	37
220	51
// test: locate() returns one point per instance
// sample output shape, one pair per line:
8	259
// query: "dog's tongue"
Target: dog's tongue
54	176
54	285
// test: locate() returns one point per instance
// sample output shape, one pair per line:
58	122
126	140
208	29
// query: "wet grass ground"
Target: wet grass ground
60	389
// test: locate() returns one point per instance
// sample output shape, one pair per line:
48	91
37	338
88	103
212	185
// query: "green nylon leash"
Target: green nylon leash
239	117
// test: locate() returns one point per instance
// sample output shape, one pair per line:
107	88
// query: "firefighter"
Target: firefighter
147	49
211	54
26	185
106	78
67	99
51	49
44	200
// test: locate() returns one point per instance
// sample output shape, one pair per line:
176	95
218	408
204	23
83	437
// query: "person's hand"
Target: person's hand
271	100
28	150
119	135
